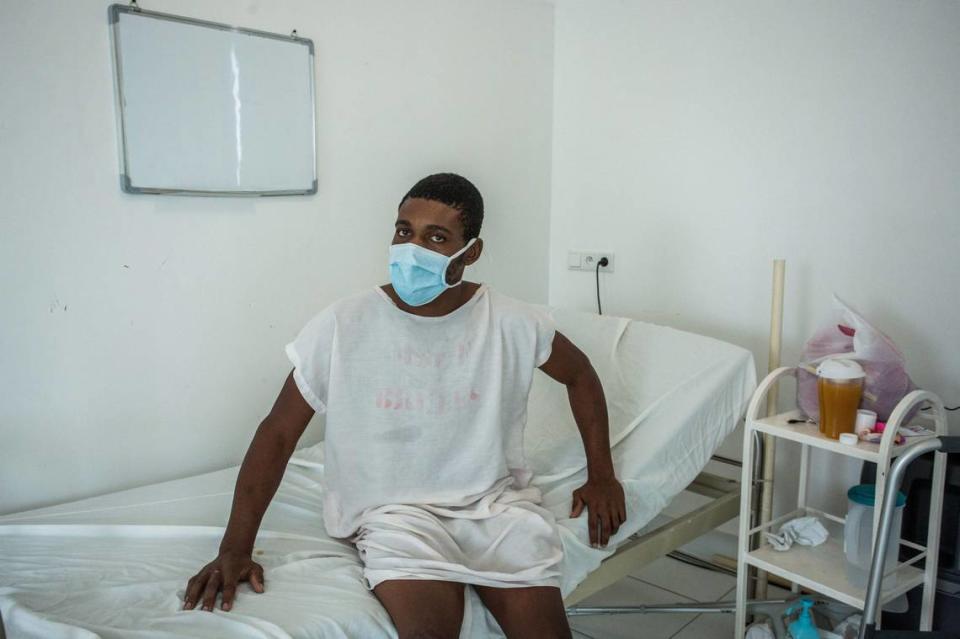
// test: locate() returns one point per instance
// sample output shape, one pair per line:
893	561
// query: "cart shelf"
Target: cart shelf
823	568
810	435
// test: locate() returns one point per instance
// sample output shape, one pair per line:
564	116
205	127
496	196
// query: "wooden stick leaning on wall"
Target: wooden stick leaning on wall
769	444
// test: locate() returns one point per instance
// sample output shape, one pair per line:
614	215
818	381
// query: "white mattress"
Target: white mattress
116	565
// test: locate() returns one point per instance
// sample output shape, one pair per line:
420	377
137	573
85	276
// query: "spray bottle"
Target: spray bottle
803	627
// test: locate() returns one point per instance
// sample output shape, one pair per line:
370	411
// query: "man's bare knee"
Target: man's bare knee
428	633
428	630
423	609
535	612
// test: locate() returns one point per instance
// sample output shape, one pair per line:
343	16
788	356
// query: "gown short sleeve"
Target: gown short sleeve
546	330
310	353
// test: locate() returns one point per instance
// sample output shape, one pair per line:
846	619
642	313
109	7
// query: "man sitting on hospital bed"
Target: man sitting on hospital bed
424	385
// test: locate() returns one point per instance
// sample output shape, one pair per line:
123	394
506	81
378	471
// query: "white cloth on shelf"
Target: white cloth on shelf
806	531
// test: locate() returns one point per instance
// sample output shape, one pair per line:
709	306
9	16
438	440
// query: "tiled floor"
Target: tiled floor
664	581
670	581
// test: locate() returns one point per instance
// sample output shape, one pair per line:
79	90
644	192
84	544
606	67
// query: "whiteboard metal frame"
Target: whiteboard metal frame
113	17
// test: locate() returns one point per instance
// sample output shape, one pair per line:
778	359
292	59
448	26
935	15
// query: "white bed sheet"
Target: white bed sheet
116	565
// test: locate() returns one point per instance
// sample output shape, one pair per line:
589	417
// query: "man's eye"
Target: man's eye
437	238
403	232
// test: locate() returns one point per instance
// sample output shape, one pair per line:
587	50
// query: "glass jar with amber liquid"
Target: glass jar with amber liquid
840	390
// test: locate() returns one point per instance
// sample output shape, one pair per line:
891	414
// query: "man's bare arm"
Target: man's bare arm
602	494
260	475
263	466
570	366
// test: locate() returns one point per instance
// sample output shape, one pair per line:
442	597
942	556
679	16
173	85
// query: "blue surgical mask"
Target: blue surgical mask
419	275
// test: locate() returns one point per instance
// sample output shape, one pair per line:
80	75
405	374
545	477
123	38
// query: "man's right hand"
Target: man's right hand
258	480
222	574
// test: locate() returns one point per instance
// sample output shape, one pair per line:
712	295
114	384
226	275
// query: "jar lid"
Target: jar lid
840	369
850	439
866	494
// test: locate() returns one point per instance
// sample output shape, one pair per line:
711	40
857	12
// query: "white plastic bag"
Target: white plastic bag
760	630
847	334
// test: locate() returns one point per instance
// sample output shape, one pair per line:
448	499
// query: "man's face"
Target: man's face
437	227
431	224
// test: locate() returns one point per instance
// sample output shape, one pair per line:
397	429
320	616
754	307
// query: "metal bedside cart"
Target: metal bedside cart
823	569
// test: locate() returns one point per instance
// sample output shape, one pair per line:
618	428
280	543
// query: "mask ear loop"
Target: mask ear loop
451	259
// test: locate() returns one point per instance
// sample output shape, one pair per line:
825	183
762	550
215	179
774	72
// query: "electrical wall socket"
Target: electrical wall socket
587	261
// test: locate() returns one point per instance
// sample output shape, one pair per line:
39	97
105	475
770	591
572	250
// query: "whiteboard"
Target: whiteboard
210	109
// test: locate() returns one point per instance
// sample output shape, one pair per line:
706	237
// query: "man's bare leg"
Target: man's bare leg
423	608
535	612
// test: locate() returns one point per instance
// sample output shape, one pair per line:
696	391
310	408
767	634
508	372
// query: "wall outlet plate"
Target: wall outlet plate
587	261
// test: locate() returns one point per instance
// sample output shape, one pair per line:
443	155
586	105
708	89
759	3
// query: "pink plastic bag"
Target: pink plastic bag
849	335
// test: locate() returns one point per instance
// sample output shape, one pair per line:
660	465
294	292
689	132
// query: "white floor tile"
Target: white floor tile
776	592
708	626
713	543
627	592
684	502
695	583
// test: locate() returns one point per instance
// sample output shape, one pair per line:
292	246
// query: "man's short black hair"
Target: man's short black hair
458	193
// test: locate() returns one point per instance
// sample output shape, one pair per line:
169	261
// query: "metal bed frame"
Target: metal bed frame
645	547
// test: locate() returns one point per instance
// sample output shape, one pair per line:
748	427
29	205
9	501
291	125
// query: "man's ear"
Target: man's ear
473	253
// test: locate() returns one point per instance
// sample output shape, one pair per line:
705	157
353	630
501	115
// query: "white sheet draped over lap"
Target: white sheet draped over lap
504	539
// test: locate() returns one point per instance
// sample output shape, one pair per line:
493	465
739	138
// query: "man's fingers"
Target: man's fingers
603	525
595	525
607	527
577	506
256	577
229	591
210	592
615	519
226	603
194	588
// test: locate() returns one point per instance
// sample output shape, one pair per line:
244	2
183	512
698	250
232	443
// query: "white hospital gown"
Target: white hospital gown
425	470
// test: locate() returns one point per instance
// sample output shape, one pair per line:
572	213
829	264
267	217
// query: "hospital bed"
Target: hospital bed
116	565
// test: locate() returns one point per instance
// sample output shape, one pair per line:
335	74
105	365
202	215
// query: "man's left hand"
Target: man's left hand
606	508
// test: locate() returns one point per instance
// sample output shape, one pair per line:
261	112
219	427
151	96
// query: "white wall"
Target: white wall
701	140
141	337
